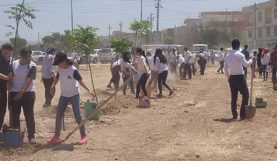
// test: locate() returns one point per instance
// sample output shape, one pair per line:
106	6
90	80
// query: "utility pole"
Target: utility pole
38	39
109	31
158	6
71	15
151	19
255	25
141	10
120	26
226	21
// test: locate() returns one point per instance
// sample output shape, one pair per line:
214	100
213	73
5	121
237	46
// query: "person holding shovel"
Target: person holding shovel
70	80
234	63
22	93
126	70
5	75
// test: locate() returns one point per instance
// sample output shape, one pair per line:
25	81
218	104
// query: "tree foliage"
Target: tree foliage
21	43
141	28
59	40
121	45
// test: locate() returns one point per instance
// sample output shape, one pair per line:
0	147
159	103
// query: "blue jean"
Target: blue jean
63	102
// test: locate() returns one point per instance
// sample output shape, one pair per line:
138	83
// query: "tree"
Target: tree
59	40
121	45
141	28
169	40
21	43
84	39
20	12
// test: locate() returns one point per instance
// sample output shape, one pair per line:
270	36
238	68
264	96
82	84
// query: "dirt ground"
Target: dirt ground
190	126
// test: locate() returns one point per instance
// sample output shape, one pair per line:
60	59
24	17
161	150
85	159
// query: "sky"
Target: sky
54	15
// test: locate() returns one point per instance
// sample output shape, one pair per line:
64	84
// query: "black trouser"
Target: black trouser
260	69
202	68
181	70
131	84
221	67
141	85
3	106
264	72
115	76
47	85
193	69
187	70
274	79
162	81
27	103
238	84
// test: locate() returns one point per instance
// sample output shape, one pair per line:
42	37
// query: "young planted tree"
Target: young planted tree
141	28
20	12
121	45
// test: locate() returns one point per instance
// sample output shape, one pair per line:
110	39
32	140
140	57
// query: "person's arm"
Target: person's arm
246	63
30	77
4	77
78	77
226	69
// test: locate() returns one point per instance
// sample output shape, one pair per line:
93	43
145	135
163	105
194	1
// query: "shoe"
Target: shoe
171	93
54	140
109	86
33	141
83	140
160	95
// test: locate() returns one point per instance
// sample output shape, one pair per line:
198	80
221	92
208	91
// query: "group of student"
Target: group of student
142	68
17	89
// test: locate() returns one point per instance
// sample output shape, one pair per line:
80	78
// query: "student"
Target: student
265	59
48	74
234	63
126	70
193	59
70	79
273	63
202	61
259	63
143	73
221	58
115	70
181	61
161	64
22	92
154	71
5	75
247	57
187	63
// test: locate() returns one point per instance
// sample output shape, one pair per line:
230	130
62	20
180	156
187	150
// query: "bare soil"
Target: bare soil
193	125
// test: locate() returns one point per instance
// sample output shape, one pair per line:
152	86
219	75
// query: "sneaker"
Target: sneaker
109	86
160	95
54	140
33	141
83	140
171	93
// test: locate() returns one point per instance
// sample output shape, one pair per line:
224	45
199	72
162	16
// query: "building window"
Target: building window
275	30
268	16
260	16
268	31
275	13
250	34
260	32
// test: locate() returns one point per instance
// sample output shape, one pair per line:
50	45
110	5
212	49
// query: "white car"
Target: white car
37	56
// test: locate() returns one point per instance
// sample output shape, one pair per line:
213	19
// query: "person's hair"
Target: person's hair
144	55
126	57
255	53
7	46
139	50
25	52
260	50
185	48
236	44
51	50
69	62
148	53
245	46
221	49
159	54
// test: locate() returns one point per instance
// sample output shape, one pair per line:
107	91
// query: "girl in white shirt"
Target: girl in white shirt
161	64
265	59
142	72
70	79
127	70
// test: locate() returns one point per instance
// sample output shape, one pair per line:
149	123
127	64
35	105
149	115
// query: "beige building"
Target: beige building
265	18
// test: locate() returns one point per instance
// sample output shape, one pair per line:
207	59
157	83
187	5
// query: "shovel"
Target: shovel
250	110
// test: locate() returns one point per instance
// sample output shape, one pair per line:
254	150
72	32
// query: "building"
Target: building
261	24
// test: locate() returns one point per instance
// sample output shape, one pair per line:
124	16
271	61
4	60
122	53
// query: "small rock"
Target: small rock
197	156
275	146
116	158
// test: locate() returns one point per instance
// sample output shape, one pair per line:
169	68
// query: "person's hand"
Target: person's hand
92	94
10	76
52	91
18	96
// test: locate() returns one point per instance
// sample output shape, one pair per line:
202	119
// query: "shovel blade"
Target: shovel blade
250	111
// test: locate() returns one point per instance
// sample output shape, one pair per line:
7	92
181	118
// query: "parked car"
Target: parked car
105	55
37	56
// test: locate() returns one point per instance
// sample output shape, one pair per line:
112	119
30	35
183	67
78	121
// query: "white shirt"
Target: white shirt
234	63
69	85
221	56
47	66
161	66
142	66
181	59
187	57
151	63
265	59
116	63
21	74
